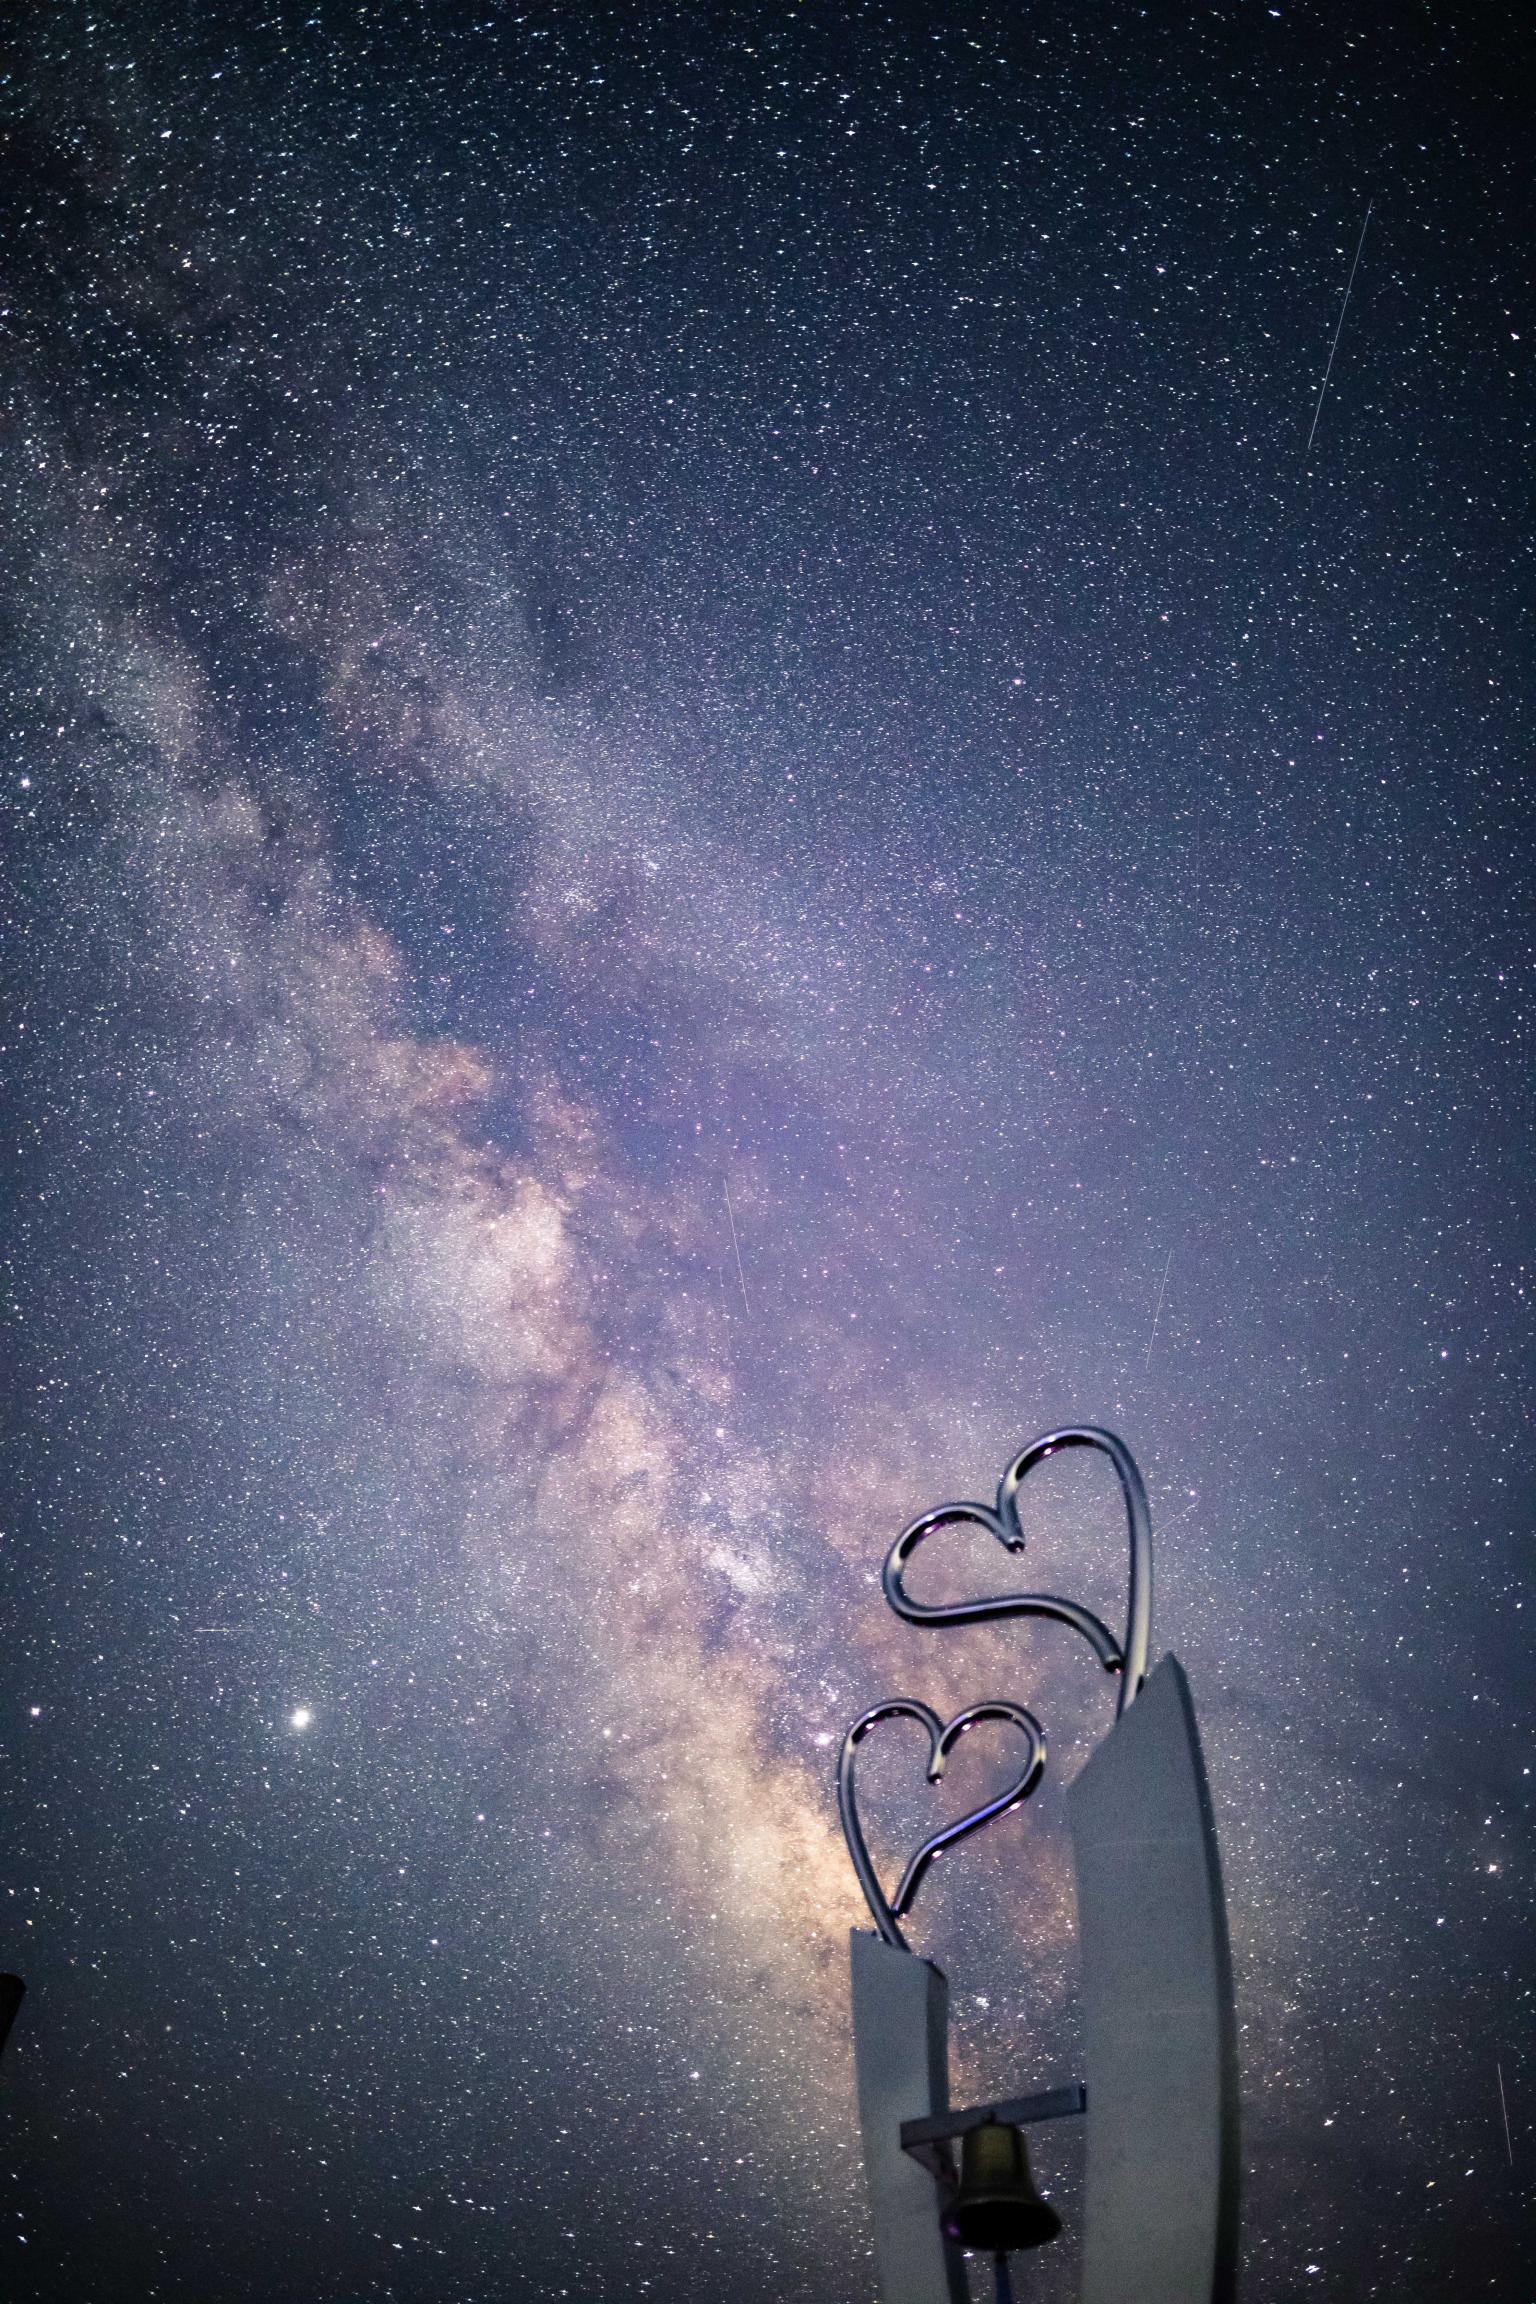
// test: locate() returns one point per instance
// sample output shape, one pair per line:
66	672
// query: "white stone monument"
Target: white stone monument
1161	2092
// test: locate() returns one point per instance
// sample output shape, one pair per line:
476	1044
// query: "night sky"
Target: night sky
708	811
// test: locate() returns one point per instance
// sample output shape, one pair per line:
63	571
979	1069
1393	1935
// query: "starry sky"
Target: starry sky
720	788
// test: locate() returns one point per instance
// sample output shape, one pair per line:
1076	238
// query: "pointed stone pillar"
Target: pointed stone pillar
1160	2223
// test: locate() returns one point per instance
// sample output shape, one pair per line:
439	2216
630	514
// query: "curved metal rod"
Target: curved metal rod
1097	1634
942	1737
1128	1657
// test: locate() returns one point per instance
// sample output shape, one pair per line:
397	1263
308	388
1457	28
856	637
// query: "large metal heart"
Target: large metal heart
943	1735
1128	1657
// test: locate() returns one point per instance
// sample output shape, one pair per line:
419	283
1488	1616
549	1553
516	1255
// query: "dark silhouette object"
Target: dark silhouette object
997	2208
11	1991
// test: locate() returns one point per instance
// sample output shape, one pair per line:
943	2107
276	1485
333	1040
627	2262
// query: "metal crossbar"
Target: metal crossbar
927	2141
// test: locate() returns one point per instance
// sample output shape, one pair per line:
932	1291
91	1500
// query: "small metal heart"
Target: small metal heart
1128	1657
942	1738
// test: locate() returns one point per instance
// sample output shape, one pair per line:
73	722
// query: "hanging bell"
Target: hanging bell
997	2207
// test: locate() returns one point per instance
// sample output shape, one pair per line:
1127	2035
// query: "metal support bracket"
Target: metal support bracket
928	2141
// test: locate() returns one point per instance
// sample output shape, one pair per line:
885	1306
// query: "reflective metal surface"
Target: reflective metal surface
995	2208
942	1738
928	2141
1127	1656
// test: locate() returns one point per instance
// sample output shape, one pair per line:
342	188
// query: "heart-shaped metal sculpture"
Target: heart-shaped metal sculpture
1128	1657
943	1735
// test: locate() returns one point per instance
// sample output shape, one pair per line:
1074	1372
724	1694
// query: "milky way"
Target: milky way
709	810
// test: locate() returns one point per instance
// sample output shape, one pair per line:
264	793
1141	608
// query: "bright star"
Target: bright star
300	1717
